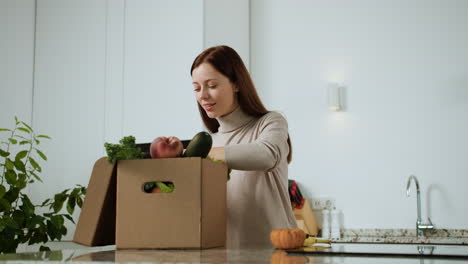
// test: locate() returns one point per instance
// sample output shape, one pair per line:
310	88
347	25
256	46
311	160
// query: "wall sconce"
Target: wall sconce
334	96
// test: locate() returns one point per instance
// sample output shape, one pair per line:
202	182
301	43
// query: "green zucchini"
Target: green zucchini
199	146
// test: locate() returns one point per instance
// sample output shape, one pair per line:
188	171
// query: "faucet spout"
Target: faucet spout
418	194
420	227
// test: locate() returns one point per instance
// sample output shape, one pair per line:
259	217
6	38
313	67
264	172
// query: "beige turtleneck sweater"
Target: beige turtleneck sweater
256	150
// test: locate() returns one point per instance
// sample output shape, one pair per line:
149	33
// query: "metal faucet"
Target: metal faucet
420	227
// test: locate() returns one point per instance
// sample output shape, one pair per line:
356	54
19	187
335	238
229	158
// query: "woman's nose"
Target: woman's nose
204	93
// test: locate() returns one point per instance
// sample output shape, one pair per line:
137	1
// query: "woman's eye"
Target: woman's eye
212	86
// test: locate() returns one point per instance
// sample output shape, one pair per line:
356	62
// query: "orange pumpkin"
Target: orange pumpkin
287	238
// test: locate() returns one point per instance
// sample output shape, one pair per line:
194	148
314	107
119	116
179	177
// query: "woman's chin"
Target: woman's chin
211	114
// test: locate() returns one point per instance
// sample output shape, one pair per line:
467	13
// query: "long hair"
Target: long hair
226	61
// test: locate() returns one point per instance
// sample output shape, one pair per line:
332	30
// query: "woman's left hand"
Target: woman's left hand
217	153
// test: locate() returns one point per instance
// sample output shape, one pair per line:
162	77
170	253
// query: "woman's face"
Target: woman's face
214	92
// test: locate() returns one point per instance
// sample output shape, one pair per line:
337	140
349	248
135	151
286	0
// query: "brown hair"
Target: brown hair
226	61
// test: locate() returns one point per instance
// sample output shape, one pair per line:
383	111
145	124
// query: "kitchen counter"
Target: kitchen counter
404	236
69	251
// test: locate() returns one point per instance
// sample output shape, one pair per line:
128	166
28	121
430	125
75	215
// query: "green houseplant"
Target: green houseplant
20	219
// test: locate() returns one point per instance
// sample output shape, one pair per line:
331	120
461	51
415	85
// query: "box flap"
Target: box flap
96	223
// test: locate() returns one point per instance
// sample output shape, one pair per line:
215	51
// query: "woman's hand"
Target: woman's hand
217	153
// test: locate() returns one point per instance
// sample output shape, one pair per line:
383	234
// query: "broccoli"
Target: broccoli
127	149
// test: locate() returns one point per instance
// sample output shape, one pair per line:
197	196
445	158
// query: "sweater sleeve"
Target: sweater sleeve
266	151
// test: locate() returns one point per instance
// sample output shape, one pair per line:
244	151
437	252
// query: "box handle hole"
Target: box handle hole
158	187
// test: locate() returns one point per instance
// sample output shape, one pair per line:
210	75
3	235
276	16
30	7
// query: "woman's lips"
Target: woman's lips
208	107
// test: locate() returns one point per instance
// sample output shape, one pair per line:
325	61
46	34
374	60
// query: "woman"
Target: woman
251	140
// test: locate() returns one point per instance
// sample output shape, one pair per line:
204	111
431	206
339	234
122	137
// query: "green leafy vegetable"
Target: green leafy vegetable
126	150
165	188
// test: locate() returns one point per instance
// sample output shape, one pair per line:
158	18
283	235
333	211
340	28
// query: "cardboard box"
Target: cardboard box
117	211
192	216
306	214
96	223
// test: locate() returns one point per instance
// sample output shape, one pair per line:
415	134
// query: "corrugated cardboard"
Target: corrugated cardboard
96	224
192	216
308	216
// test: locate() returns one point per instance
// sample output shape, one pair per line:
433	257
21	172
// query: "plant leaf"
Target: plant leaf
2	191
9	164
35	176
13	141
19	217
44	157
69	218
19	165
57	221
18	136
24	129
21	155
43	136
58	202
11	195
2	225
37	141
35	164
79	202
35	220
4	129
27	206
25	142
5	204
44	248
71	204
39	236
10	176
22	181
45	202
9	222
26	125
4	153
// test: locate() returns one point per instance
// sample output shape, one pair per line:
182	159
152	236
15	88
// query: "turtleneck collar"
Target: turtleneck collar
234	120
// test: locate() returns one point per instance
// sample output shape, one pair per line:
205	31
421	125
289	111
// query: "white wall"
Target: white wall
69	92
404	65
227	22
16	60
